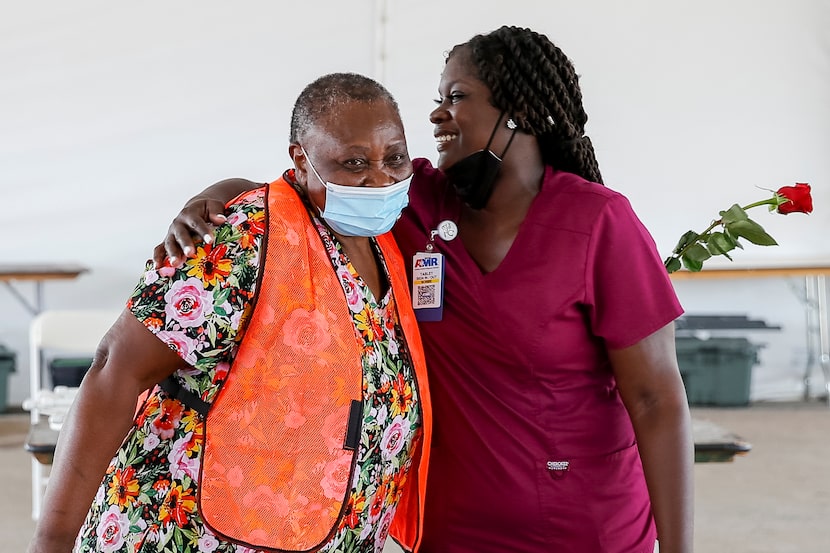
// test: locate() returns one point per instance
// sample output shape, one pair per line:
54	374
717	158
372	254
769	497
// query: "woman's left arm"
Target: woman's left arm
652	390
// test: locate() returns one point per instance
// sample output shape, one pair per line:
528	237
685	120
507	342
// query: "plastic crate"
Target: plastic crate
717	371
7	366
69	371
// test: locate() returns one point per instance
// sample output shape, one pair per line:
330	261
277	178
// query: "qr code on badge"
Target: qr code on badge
426	294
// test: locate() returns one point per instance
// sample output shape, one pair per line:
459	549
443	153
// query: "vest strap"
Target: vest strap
174	389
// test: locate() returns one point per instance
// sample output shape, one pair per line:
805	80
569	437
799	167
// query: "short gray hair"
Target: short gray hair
329	92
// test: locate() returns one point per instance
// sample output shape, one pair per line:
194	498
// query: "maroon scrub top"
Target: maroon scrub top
533	450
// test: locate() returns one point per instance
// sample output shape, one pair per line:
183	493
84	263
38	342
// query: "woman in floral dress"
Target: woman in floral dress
199	318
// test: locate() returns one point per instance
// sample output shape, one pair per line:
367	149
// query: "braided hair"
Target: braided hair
535	83
328	93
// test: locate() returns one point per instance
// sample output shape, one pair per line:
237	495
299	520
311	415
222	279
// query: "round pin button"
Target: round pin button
447	230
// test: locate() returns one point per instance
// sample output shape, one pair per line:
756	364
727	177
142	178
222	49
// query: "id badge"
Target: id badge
428	286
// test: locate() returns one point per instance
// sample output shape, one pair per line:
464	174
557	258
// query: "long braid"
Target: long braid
536	84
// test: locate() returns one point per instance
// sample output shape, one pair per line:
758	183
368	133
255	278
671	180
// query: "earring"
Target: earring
551	121
511	124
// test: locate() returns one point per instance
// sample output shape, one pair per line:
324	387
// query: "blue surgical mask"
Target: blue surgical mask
362	210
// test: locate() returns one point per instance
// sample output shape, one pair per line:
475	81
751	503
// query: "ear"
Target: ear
299	159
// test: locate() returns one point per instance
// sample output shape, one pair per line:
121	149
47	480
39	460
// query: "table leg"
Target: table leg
33	308
811	323
818	333
823	332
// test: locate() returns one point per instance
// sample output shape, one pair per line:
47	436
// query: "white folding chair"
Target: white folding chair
61	331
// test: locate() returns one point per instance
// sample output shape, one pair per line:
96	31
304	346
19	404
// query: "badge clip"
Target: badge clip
428	275
447	230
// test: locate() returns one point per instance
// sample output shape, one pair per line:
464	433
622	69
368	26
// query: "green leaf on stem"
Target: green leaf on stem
687	238
752	231
672	264
733	214
697	252
692	265
719	243
733	237
694	256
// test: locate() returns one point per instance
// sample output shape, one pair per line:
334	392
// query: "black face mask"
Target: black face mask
474	177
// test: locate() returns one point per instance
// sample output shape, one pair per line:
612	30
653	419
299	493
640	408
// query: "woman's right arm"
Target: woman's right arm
197	218
129	360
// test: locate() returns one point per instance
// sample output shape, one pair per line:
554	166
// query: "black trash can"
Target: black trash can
68	371
7	366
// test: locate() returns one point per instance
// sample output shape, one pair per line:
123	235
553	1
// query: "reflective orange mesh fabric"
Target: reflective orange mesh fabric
274	473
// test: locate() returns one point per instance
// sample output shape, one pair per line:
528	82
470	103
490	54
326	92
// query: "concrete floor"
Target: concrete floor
776	499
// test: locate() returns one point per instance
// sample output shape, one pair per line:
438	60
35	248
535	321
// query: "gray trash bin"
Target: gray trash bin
717	371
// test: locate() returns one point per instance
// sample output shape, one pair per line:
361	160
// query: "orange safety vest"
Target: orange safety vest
276	470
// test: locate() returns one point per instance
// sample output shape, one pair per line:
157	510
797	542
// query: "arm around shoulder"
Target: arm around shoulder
196	219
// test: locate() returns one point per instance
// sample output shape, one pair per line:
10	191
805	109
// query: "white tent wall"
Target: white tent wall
112	114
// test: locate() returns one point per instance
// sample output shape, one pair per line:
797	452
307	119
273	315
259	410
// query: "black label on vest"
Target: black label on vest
353	429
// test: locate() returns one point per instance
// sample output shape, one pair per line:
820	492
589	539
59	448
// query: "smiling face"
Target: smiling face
359	143
465	116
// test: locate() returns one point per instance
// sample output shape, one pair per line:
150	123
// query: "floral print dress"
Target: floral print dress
148	498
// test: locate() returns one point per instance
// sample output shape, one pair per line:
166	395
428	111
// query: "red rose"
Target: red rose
799	198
